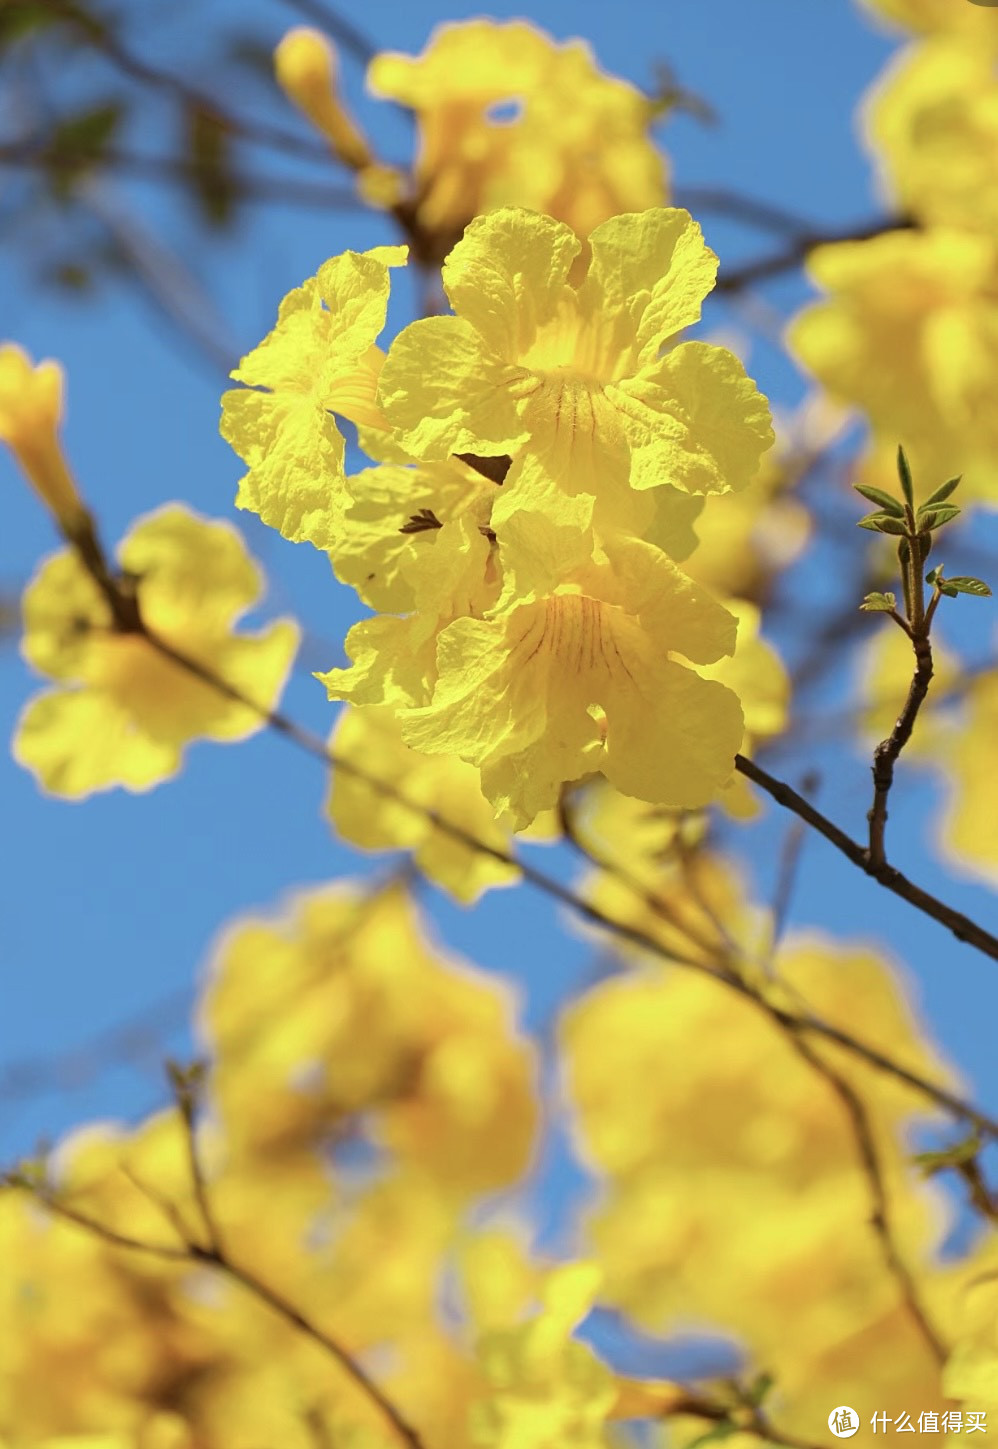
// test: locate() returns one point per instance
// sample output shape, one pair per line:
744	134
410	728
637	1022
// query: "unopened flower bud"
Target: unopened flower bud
306	69
30	415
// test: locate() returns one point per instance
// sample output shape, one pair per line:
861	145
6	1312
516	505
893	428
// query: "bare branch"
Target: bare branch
736	279
962	927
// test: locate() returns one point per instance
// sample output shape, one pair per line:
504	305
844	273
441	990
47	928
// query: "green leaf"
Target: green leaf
81	141
964	585
879	603
758	1389
928	518
941	494
724	1430
934	574
20	19
214	182
877	495
904	474
946	1157
883	523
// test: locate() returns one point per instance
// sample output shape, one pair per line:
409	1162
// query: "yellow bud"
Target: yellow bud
306	70
30	414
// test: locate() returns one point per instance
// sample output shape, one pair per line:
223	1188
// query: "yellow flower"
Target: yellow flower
372	739
30	415
580	681
942	17
124	713
934	125
320	359
739	1198
575	374
970	827
508	117
910	335
546	1390
344	1007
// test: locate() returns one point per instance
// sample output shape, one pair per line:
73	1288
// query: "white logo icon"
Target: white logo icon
843	1422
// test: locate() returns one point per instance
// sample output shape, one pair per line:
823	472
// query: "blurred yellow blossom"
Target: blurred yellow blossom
545	1390
372	739
344	1008
123	713
969	830
909	334
30	416
933	123
506	117
731	1160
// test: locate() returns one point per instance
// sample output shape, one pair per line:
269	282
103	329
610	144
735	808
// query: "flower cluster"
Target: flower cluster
909	331
505	115
541	455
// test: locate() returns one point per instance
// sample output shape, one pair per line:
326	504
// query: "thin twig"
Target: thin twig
761	214
886	754
786	875
37	152
697	1406
660	907
215	1256
165	280
962	927
736	279
879	1218
103	39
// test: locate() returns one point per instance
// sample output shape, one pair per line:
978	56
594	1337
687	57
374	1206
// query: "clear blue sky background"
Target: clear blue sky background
110	907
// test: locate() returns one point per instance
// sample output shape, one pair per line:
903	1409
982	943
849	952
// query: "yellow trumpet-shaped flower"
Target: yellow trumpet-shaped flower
30	415
909	333
582	379
507	116
123	712
934	124
319	360
581	681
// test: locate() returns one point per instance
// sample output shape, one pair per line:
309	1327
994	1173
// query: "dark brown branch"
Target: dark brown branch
962	927
879	1216
743	1418
214	1257
110	45
181	171
749	209
736	279
886	754
789	864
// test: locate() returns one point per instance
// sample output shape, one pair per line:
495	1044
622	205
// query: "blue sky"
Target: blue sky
109	908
